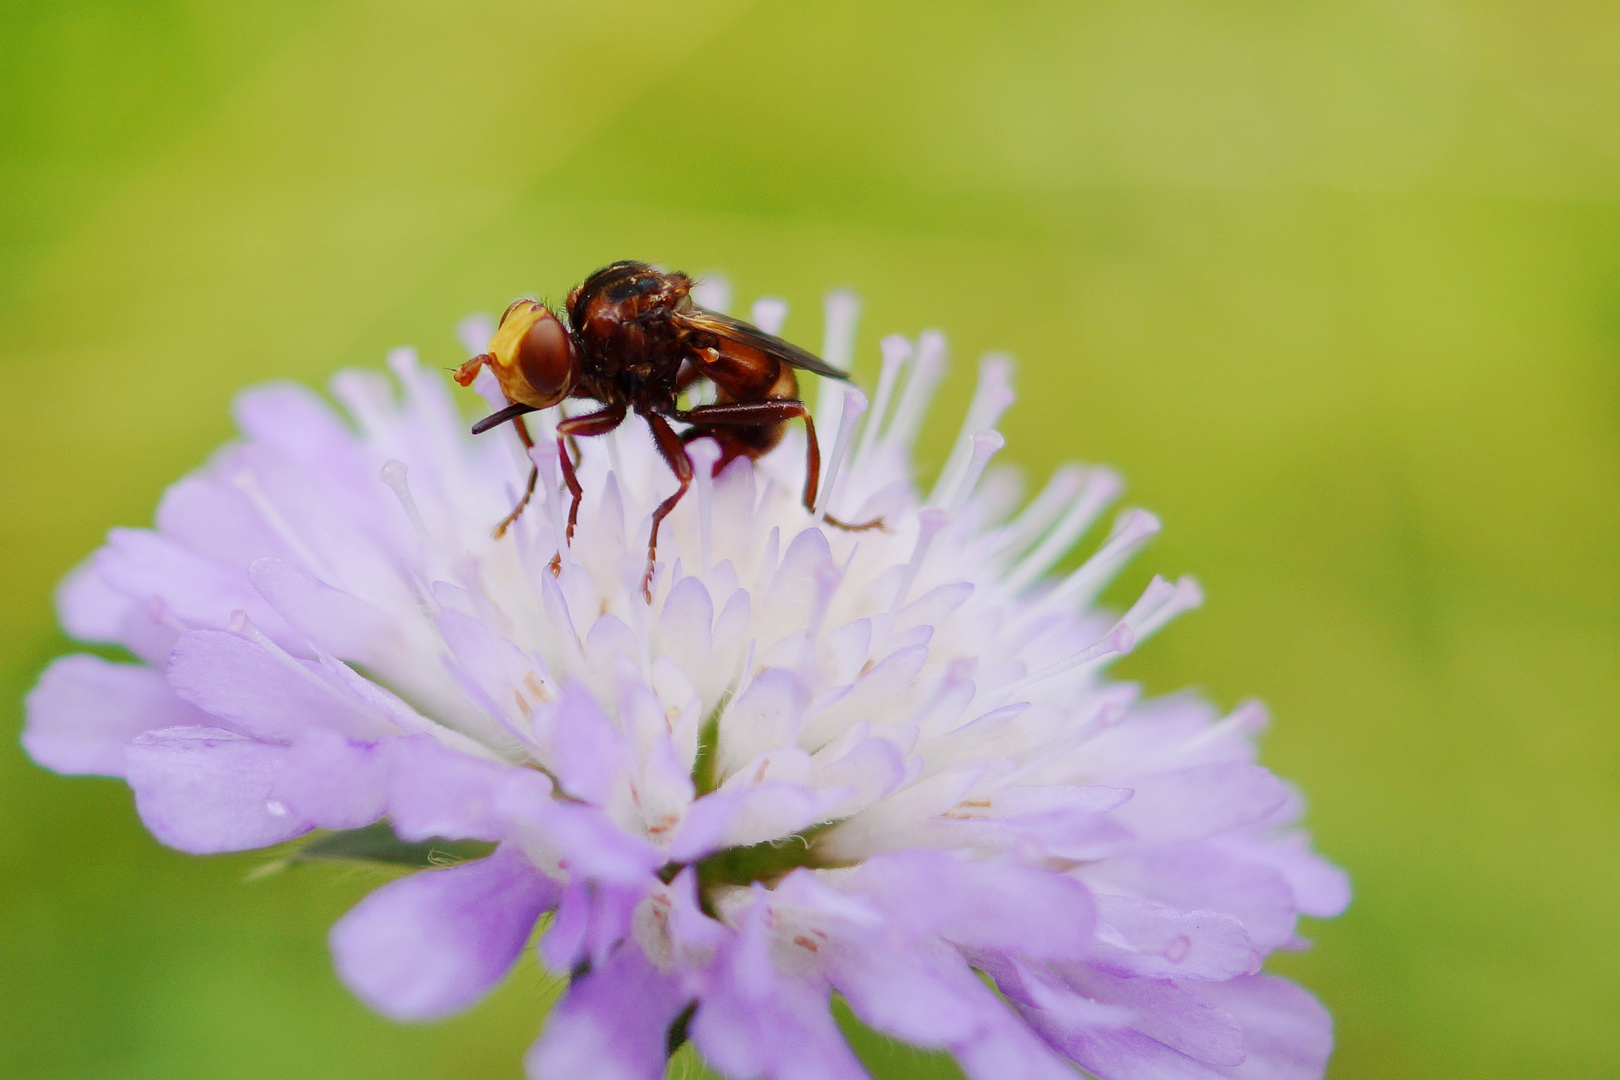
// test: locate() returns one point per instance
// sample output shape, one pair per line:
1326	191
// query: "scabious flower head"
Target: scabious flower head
887	765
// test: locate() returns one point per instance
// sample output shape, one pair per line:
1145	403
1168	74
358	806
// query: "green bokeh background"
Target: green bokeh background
1336	285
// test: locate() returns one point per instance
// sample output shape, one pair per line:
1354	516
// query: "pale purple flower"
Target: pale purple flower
875	764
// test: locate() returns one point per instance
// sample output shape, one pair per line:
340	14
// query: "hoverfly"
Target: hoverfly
634	341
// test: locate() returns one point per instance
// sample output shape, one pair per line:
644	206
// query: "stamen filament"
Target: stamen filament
919	391
985	445
1101	488
896	351
990	400
849	417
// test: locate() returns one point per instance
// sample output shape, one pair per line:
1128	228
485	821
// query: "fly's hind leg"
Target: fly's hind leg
674	451
596	423
765	414
528	488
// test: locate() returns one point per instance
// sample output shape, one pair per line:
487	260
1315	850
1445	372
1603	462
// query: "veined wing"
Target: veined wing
724	326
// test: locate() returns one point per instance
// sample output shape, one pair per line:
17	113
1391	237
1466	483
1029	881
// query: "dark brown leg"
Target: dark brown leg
776	411
674	451
528	489
596	423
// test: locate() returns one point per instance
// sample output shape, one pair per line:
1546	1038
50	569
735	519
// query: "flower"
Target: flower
884	764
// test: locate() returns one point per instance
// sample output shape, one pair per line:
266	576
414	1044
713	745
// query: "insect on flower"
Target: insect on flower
635	340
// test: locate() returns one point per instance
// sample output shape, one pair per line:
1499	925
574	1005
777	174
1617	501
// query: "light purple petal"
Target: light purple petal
201	592
1166	1011
84	709
1208	876
927	995
612	1024
1123	1054
593	846
206	790
294	421
592	919
433	943
1286	1033
213	518
1142	939
998	905
267	694
333	781
435	791
336	622
592	757
1190	804
746	814
91	609
757	1023
1320	888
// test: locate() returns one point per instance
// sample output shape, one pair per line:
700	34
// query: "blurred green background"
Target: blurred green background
1336	286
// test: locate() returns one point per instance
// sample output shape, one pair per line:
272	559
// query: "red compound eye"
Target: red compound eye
547	358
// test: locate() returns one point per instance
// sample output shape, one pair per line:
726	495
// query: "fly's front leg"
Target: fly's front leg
674	451
528	488
765	414
596	423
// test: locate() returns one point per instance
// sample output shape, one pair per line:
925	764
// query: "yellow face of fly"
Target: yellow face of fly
532	356
503	347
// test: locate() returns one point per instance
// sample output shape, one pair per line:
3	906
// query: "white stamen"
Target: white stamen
248	484
840	312
1106	717
990	400
1247	719
1184	596
769	313
896	351
1043	510
1153	597
919	391
1135	528
985	445
712	291
1100	488
849	416
474	333
704	453
929	522
394	474
1118	641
